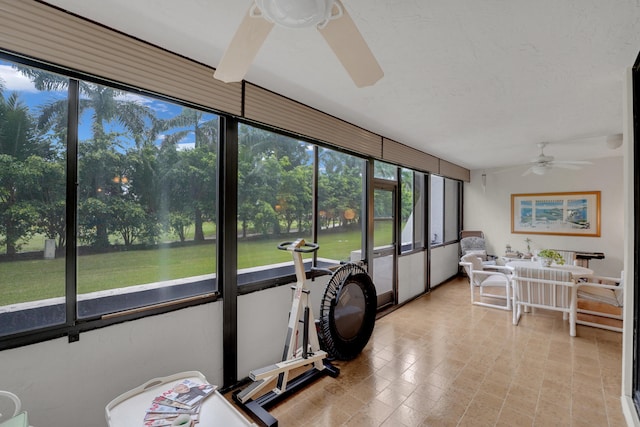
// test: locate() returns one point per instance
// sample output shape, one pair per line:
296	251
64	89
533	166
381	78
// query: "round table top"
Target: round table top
575	270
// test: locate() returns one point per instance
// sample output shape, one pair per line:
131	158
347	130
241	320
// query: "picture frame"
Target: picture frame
562	214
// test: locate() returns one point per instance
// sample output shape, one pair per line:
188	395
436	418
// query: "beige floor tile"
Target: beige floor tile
439	361
405	416
513	417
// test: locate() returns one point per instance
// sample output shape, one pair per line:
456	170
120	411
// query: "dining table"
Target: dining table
577	272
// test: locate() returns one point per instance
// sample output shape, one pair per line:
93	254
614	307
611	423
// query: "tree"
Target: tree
200	162
18	214
18	143
50	198
98	154
130	221
99	164
340	188
295	195
179	224
263	159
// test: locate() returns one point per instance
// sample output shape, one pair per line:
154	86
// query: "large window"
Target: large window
32	197
412	210
444	210
451	210
144	207
275	181
436	210
340	184
275	203
146	198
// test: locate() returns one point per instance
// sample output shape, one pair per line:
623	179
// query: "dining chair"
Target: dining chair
490	285
545	288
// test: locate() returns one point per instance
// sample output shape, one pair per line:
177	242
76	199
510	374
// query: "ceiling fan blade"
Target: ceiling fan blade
244	46
572	162
352	50
528	171
566	166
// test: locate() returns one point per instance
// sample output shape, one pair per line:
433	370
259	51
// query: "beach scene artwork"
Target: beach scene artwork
556	213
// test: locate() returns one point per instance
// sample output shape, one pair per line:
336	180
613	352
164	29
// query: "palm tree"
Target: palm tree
106	105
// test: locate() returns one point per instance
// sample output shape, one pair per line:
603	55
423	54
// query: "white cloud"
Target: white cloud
186	146
15	81
133	97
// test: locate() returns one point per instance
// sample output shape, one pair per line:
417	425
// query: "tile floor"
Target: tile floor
440	361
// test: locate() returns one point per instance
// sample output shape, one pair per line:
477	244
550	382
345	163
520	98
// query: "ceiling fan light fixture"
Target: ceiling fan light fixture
539	169
296	13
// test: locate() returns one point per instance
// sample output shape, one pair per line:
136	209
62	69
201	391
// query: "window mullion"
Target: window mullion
72	206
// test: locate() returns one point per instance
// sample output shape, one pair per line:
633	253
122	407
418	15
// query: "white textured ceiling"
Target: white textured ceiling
477	83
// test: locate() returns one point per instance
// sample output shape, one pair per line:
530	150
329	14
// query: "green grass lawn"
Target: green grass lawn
32	280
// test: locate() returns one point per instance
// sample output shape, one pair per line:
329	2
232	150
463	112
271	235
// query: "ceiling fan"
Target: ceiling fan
330	18
543	163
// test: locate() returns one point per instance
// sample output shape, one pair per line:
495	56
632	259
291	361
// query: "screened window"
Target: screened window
436	210
451	210
33	177
419	210
383	170
146	200
407	210
412	210
145	219
444	210
275	178
340	184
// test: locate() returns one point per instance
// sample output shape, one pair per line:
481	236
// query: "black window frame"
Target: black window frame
73	323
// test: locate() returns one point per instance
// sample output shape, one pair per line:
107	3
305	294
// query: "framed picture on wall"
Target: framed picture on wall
563	214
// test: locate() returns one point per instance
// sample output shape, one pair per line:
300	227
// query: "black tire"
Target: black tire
348	312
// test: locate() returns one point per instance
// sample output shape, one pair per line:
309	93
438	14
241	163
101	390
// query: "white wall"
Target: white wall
411	276
489	209
444	263
69	384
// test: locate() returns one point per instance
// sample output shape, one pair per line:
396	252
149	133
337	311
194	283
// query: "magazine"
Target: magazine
166	421
184	398
164	409
188	392
160	400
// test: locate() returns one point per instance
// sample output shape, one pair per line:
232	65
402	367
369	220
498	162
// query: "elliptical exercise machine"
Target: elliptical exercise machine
296	354
347	318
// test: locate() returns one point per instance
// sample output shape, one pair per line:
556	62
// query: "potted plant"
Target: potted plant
549	256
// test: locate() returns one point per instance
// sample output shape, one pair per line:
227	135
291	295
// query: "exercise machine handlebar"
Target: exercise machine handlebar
299	246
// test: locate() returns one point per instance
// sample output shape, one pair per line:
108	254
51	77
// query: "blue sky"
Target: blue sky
14	81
